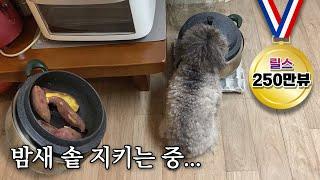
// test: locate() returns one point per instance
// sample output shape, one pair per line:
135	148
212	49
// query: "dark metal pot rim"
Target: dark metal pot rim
41	137
202	18
96	93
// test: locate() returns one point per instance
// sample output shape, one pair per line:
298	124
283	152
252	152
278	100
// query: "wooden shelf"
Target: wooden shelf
132	59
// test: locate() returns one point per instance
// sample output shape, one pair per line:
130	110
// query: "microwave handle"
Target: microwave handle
74	2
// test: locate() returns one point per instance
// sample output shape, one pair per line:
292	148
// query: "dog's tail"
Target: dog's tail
204	44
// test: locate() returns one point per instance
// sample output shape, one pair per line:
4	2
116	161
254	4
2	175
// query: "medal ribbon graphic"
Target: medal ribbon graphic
281	27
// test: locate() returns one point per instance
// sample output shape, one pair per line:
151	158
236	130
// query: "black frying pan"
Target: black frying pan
91	109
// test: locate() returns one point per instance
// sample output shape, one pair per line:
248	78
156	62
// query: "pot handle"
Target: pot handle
236	18
35	64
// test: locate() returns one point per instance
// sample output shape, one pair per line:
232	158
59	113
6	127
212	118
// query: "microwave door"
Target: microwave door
115	18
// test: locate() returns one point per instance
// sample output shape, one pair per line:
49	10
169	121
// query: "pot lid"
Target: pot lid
228	26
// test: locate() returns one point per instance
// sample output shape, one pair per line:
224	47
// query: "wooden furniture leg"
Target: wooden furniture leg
142	82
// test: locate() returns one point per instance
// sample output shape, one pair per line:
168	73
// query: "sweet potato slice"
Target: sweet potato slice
40	104
67	133
65	96
48	127
67	113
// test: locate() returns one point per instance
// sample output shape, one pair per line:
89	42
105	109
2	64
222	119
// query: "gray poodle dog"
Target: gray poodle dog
194	91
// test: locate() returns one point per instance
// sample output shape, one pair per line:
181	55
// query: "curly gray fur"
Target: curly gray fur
194	92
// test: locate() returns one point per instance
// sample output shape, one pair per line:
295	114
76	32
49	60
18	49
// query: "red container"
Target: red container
10	28
5	86
10	23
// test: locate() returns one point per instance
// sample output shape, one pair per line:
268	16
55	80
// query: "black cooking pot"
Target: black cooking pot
91	109
225	24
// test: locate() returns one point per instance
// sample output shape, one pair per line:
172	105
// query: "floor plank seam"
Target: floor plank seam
253	143
223	149
285	145
317	155
255	20
303	27
243	171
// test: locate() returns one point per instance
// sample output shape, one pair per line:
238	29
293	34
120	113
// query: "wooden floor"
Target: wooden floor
255	142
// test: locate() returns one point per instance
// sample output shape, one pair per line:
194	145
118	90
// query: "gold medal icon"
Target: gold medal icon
281	76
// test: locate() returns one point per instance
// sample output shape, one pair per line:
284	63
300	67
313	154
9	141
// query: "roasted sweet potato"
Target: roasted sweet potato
67	113
40	104
67	134
48	127
65	96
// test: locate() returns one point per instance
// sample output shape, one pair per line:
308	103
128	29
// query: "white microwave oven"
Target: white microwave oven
93	20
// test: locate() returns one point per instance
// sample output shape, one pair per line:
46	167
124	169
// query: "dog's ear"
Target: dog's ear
205	45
